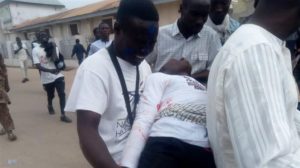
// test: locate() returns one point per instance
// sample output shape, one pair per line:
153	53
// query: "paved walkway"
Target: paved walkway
43	141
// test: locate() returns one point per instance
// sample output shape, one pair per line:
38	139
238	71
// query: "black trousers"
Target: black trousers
164	152
59	85
80	59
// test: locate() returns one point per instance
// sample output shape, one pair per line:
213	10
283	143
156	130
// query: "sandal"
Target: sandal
12	136
2	131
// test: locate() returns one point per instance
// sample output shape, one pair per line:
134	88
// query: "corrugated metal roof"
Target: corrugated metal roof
97	9
86	10
43	2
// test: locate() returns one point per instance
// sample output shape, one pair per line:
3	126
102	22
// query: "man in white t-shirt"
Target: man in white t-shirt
170	126
43	56
103	41
99	94
22	54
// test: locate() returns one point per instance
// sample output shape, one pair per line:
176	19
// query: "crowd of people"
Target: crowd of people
47	58
204	91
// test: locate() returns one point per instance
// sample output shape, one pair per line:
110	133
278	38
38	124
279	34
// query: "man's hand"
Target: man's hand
92	144
54	71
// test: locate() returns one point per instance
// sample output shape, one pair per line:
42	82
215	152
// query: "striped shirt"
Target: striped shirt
252	117
200	50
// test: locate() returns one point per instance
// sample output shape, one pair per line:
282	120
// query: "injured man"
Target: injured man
169	130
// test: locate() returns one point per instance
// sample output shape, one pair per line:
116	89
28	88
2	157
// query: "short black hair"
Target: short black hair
95	30
39	33
103	23
77	40
142	9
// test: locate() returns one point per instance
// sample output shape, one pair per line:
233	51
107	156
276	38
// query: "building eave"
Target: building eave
60	6
106	12
71	19
9	2
4	3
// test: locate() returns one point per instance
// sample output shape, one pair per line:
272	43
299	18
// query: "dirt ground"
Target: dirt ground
43	140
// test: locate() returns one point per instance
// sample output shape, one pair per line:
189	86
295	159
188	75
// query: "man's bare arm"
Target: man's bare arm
41	68
91	143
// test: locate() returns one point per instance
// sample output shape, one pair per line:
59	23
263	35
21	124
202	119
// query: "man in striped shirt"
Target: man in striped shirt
252	96
188	38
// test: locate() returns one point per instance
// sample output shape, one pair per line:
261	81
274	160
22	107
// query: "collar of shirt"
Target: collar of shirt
280	47
177	33
272	37
222	28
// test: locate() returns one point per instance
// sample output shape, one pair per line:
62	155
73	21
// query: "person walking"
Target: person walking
22	54
5	117
79	50
44	55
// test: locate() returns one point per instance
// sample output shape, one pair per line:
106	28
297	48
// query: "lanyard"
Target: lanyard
131	114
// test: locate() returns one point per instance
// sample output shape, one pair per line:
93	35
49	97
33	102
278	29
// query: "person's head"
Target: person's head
50	47
280	17
177	67
104	29
194	14
77	41
218	10
96	32
136	30
18	40
42	37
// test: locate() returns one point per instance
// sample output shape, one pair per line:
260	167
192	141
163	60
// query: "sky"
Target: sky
77	3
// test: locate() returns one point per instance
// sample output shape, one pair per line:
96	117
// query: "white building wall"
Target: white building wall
20	12
85	31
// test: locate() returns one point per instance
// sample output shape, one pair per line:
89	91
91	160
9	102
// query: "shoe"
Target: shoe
51	110
25	80
11	136
65	119
2	131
